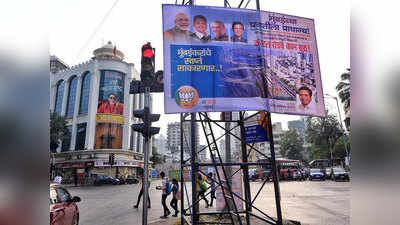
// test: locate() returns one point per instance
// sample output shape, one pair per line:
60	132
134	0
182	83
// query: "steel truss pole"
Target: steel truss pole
245	169
195	217
182	168
274	171
227	188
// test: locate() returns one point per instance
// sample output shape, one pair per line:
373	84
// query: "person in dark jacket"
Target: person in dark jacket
174	201
211	181
141	193
164	195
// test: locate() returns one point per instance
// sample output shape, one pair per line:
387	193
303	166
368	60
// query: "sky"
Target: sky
77	28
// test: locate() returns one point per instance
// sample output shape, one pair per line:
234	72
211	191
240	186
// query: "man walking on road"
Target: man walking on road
211	181
141	193
174	201
165	184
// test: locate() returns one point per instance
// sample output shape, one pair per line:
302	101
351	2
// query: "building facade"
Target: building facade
94	98
299	126
174	137
160	143
264	147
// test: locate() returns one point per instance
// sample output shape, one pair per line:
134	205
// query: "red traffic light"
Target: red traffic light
147	50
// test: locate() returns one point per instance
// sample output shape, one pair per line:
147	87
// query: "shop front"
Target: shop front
119	169
74	173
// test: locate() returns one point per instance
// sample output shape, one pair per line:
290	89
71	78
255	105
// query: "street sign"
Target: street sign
255	133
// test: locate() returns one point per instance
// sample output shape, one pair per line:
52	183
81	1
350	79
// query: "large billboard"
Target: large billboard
110	110
224	59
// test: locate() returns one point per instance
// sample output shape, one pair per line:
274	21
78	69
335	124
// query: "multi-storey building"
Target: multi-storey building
94	98
174	137
264	147
202	156
299	126
160	143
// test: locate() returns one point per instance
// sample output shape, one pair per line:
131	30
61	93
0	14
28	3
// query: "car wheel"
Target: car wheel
76	220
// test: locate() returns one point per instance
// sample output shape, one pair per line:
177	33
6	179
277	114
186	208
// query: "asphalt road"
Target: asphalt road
310	202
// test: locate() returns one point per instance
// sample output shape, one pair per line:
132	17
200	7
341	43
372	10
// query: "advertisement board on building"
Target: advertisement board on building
110	110
224	59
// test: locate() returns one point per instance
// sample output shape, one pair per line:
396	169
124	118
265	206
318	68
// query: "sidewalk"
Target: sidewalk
253	221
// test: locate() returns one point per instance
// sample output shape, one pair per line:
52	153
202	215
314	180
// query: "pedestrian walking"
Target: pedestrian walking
141	193
75	178
58	179
201	189
166	189
211	181
174	201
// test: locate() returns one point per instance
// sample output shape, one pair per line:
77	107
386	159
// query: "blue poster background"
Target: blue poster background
256	133
266	71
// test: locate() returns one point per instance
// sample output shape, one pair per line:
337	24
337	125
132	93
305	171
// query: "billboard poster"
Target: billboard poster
222	59
236	188
110	110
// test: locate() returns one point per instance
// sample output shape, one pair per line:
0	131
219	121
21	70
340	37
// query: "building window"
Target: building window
67	142
84	101
59	97
71	97
80	136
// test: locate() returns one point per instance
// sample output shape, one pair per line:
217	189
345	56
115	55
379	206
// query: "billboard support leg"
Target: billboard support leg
274	172
245	169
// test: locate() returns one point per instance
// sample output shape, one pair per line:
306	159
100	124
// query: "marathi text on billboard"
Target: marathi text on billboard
220	59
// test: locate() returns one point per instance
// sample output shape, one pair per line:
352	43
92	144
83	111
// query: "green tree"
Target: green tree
323	134
339	150
58	130
292	145
156	157
343	89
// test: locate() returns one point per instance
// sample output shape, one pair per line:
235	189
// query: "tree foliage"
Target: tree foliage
58	130
339	150
323	134
343	89
292	145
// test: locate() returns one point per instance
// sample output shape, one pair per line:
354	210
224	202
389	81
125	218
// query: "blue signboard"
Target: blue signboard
256	133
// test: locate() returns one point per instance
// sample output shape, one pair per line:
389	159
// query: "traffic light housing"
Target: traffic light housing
148	76
145	128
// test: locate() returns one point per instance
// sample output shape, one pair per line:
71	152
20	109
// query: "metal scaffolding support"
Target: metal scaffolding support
224	170
233	212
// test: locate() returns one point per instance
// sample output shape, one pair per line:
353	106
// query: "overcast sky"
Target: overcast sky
75	32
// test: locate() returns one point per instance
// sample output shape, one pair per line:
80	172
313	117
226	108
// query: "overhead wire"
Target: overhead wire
97	28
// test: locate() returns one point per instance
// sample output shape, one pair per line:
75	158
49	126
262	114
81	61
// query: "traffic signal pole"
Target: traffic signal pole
146	85
146	148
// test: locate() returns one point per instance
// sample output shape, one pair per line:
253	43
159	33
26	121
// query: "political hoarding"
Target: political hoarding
223	59
110	110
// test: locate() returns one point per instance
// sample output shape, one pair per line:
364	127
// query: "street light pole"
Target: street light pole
341	123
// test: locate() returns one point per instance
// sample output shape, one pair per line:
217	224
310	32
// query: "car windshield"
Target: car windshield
338	170
315	171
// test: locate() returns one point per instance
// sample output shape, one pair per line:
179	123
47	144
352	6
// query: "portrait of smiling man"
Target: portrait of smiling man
305	96
238	31
180	32
200	26
218	28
